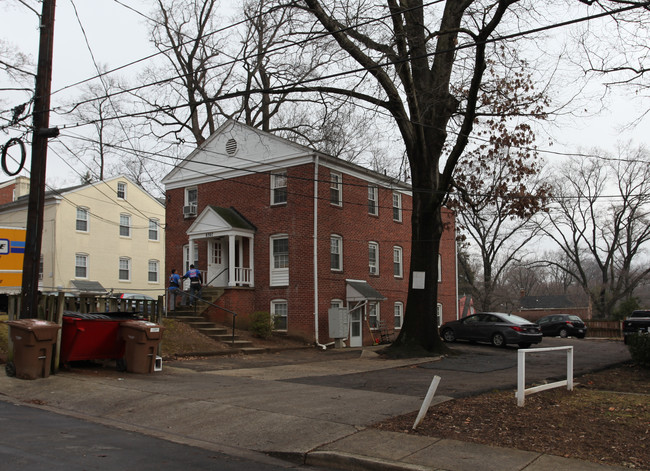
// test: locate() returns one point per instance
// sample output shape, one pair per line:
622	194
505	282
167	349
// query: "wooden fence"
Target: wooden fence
52	307
604	329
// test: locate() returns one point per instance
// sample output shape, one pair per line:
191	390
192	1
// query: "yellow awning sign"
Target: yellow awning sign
12	252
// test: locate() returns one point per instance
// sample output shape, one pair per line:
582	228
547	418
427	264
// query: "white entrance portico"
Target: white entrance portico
230	242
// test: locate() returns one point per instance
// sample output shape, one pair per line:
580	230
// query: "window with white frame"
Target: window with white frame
121	190
217	252
336	192
336	253
40	268
336	303
280	260
280	314
397	207
125	225
81	265
82	220
439	268
153	229
279	187
397	262
439	314
373	257
373	202
191	201
398	311
152	275
373	315
125	269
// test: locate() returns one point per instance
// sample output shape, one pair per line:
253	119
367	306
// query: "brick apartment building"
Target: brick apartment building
282	228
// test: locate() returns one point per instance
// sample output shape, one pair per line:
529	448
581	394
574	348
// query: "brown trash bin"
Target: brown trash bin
141	339
33	340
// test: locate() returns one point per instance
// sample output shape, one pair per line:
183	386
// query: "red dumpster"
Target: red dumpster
92	337
33	340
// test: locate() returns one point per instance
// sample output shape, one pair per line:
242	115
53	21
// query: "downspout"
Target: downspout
324	347
456	260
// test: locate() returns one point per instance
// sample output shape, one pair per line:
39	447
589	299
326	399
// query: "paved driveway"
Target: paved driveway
470	369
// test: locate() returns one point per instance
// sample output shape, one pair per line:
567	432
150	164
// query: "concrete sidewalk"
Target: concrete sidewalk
263	405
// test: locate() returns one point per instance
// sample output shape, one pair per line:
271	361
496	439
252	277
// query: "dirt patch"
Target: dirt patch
179	338
181	341
606	419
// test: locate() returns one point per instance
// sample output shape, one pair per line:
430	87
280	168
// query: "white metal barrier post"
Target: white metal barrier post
521	373
427	401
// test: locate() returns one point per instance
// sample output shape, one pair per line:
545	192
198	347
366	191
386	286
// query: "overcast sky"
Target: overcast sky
118	36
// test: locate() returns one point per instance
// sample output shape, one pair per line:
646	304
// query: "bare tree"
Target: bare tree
104	112
16	80
558	272
602	225
185	32
617	50
497	187
215	77
425	66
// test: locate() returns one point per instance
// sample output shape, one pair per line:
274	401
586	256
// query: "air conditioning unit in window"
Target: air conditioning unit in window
189	210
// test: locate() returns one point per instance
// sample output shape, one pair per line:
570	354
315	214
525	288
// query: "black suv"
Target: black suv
562	325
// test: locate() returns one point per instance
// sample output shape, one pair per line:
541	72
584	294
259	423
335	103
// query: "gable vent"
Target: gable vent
231	146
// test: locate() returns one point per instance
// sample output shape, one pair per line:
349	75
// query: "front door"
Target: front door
356	323
217	263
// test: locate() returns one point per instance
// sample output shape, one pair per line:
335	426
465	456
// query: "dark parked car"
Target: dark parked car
563	325
497	328
637	323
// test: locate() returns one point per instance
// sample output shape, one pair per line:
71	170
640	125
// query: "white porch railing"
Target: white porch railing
243	276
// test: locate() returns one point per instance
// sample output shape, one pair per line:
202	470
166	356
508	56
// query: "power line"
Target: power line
154	156
290	87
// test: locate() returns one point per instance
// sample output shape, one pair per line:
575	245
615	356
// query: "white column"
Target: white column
191	254
231	260
251	260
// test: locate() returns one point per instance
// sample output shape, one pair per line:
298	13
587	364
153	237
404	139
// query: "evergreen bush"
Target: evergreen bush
260	325
639	345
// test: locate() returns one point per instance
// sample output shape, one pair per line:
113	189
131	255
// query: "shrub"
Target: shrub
639	345
260	324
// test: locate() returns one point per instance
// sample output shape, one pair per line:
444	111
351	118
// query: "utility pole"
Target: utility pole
40	135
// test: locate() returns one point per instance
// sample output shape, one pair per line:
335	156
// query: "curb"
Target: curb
348	461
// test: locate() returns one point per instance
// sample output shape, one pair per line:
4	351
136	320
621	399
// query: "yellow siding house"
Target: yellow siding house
99	236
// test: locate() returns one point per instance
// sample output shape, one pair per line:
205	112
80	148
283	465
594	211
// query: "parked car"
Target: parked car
563	325
498	328
141	297
138	302
638	322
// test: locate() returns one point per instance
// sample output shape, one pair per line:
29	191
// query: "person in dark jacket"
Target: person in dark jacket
196	283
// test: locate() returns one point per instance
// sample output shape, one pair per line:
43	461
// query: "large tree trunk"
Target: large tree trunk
420	329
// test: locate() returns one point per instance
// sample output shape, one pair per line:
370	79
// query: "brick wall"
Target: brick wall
250	195
7	194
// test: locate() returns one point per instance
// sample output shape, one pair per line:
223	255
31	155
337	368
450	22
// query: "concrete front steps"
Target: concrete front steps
214	331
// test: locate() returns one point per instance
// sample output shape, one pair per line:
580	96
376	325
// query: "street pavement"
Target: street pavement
35	440
311	406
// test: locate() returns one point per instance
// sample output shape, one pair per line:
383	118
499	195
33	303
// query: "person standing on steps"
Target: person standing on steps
196	283
174	289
